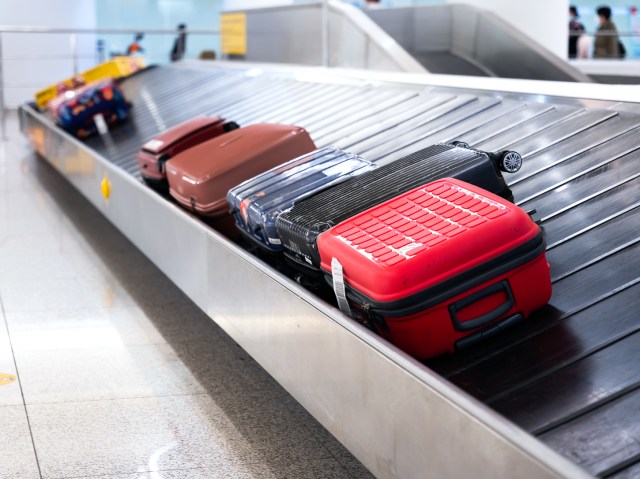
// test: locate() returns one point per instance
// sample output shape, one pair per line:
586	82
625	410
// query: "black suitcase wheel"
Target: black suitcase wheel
460	144
510	161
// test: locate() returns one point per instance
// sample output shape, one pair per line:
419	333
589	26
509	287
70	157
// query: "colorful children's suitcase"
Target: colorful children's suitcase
155	153
299	227
117	67
200	177
256	203
88	107
438	268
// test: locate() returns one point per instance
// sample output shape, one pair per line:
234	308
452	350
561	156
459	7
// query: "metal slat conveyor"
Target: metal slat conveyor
566	381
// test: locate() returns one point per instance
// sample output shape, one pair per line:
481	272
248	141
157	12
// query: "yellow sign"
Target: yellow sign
233	29
6	379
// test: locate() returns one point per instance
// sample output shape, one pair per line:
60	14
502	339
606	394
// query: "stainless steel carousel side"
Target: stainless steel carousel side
397	416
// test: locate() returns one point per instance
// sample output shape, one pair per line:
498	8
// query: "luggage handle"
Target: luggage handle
161	164
478	295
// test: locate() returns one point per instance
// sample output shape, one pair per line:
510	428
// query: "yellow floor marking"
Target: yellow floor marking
6	379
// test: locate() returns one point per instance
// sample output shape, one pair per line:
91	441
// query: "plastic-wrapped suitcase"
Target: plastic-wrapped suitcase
64	92
90	106
157	151
200	177
256	203
438	268
299	227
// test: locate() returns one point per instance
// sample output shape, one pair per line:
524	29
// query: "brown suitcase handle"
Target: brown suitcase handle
454	308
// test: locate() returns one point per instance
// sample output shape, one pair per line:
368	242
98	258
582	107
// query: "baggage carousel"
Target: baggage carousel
557	396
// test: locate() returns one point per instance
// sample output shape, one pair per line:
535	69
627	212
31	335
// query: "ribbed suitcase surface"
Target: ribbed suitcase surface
170	137
299	227
442	265
256	203
416	223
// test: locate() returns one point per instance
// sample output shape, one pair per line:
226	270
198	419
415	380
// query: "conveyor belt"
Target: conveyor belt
569	375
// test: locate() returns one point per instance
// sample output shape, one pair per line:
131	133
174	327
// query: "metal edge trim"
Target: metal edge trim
581	91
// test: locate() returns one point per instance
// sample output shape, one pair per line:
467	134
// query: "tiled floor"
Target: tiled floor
114	379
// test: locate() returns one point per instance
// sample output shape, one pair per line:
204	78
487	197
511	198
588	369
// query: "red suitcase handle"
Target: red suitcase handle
487	317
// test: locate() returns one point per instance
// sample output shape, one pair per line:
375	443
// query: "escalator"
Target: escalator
465	40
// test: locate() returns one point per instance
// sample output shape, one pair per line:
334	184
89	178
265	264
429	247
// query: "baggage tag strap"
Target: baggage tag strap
338	286
101	124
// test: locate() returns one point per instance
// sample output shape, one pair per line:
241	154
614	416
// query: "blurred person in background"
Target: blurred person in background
606	44
135	46
576	29
585	46
180	44
100	48
371	3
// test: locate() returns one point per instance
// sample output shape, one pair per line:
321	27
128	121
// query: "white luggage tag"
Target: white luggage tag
153	144
101	124
338	286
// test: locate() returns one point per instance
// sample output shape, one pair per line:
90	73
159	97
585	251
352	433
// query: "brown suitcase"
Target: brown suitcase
200	177
156	152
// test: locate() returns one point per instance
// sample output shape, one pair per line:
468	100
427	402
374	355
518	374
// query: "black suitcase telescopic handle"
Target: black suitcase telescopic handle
496	313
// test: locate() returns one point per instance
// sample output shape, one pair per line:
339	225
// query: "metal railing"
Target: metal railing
329	33
627	38
344	33
79	50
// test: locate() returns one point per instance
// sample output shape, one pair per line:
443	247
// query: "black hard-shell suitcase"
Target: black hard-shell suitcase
299	227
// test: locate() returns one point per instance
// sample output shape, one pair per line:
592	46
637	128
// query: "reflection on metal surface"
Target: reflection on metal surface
36	136
74	164
580	171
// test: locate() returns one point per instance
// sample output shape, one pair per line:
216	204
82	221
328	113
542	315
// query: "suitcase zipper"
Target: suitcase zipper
371	319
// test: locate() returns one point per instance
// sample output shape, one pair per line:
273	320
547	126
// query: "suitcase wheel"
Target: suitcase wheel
308	283
460	144
510	161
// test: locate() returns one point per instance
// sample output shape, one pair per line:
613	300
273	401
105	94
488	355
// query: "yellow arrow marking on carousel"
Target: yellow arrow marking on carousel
6	379
105	187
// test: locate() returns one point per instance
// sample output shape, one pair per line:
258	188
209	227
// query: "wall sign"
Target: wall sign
233	29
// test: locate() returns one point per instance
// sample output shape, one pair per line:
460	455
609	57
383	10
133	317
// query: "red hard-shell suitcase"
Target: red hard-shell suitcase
157	151
438	268
200	177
